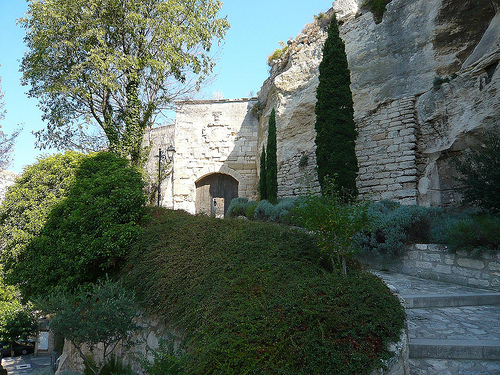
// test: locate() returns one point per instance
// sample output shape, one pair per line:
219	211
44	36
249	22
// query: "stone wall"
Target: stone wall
145	341
152	332
298	176
214	136
386	151
156	138
435	262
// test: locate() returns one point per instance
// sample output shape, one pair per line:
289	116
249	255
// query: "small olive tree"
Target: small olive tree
334	223
101	315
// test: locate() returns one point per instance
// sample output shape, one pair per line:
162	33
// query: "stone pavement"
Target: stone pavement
454	330
27	364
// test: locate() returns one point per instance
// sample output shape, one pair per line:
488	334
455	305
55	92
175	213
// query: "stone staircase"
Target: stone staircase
453	330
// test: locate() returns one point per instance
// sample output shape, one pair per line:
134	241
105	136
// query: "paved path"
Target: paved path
27	364
454	330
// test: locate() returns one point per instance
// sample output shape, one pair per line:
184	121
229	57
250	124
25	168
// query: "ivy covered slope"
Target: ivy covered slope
254	298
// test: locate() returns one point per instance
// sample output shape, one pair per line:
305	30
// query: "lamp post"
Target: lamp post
162	157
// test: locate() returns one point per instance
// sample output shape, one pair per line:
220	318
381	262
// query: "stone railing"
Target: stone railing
435	262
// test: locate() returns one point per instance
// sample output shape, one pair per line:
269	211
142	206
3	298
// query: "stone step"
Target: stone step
487	350
417	301
433	366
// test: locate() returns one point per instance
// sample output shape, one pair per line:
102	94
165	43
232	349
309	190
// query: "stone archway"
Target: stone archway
214	193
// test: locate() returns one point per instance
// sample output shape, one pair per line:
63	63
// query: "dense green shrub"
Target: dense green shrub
394	225
237	207
30	200
250	208
279	212
475	234
88	233
335	128
480	173
253	298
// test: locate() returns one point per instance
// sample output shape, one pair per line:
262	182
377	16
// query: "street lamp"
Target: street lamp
162	158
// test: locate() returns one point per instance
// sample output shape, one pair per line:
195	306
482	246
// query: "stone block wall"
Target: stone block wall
298	176
435	262
386	151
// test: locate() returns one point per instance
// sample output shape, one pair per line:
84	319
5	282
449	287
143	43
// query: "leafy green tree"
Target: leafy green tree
28	203
17	322
6	141
334	223
480	173
271	161
335	128
263	175
104	69
85	235
103	314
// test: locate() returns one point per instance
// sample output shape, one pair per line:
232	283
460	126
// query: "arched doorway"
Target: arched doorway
214	193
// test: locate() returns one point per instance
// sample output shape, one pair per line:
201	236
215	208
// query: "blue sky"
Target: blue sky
256	29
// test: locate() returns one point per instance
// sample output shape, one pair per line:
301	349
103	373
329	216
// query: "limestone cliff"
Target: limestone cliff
425	84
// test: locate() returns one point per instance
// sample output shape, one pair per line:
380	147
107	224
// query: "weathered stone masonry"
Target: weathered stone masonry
386	151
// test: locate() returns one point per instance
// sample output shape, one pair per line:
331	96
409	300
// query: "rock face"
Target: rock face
7	179
425	85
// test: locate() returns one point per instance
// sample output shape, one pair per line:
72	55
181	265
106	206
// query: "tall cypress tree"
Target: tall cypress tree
271	160
263	175
335	129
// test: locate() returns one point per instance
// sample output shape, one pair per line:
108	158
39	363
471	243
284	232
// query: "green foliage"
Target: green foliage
113	366
167	360
241	207
101	314
334	223
378	7
263	175
237	207
480	173
277	54
394	225
335	128
476	234
28	203
250	208
278	213
87	234
271	161
17	321
114	65
253	298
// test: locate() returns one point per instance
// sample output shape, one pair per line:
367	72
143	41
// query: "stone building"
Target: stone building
216	155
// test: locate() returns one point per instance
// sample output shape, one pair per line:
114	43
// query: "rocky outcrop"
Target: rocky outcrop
7	179
425	85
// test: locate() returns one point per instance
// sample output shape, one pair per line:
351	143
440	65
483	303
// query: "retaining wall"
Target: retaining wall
435	262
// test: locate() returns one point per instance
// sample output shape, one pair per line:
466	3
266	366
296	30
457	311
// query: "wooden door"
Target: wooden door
214	191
